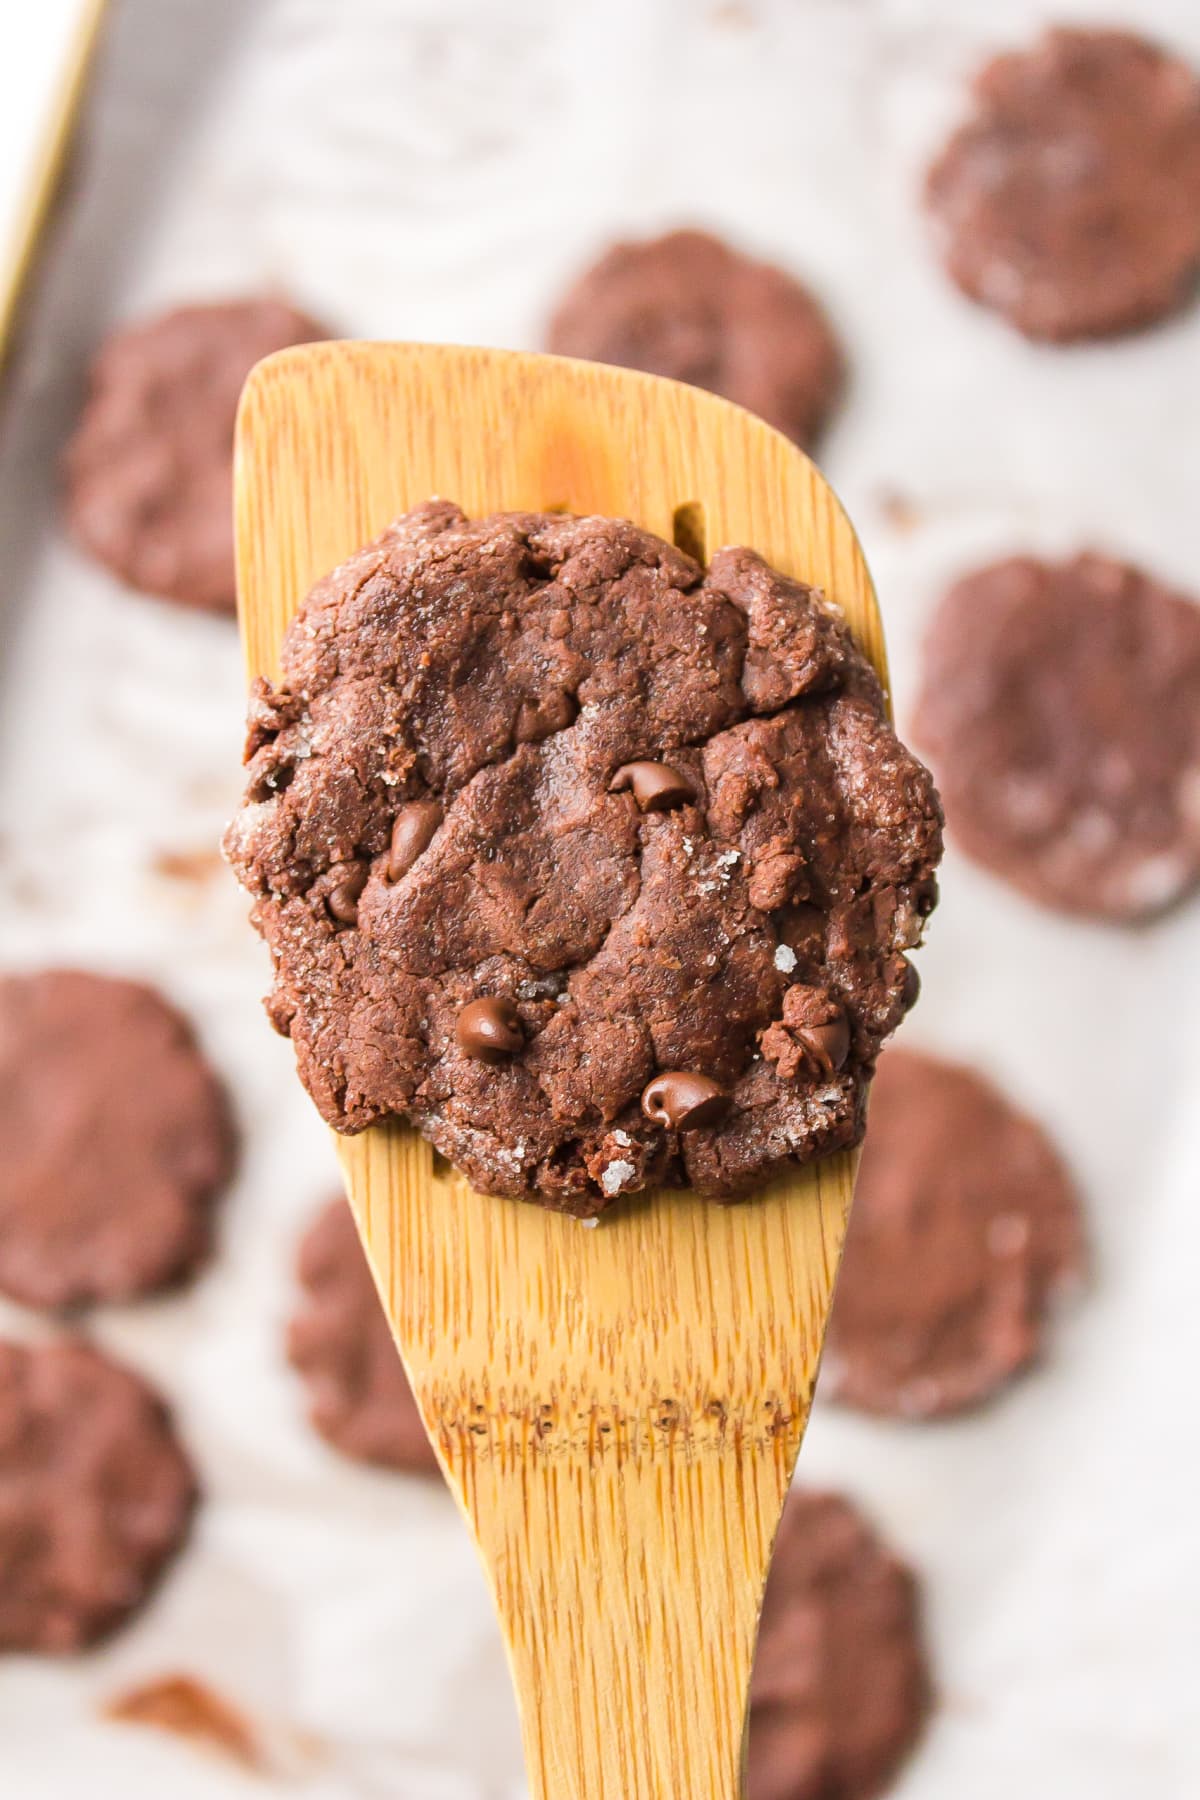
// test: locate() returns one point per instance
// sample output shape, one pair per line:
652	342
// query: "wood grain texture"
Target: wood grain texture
618	1410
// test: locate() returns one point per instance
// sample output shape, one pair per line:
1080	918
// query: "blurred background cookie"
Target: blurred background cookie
691	307
359	1397
965	1224
414	171
115	1139
1060	707
841	1685
149	470
1070	200
95	1494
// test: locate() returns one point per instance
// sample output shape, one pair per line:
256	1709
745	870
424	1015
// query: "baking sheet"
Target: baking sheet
437	168
45	61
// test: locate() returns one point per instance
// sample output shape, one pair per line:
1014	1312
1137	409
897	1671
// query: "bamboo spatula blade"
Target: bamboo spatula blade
617	1410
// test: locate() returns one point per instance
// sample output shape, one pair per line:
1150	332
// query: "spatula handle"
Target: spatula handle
618	1413
629	1591
617	1410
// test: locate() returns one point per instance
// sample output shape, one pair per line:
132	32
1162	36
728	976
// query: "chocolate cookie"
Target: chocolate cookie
1060	703
688	306
1070	202
597	866
340	1342
150	467
95	1494
965	1225
841	1684
115	1137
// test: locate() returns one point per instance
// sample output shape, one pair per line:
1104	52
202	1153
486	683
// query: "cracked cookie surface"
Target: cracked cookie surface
542	813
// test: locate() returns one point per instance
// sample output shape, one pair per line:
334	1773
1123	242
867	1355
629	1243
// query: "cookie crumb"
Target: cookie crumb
188	1708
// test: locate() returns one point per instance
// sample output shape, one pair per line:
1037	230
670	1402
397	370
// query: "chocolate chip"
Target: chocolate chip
827	1045
342	900
925	897
539	719
412	833
812	1037
657	787
490	1030
911	988
682	1101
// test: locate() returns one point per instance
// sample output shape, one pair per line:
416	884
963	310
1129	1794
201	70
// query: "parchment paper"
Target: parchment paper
436	169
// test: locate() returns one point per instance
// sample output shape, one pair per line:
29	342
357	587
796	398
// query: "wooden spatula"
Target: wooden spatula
617	1411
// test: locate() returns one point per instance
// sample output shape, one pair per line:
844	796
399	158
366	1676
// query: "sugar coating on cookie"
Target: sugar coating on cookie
339	1340
841	1686
149	470
1070	200
116	1138
1060	707
531	813
966	1226
691	307
96	1494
